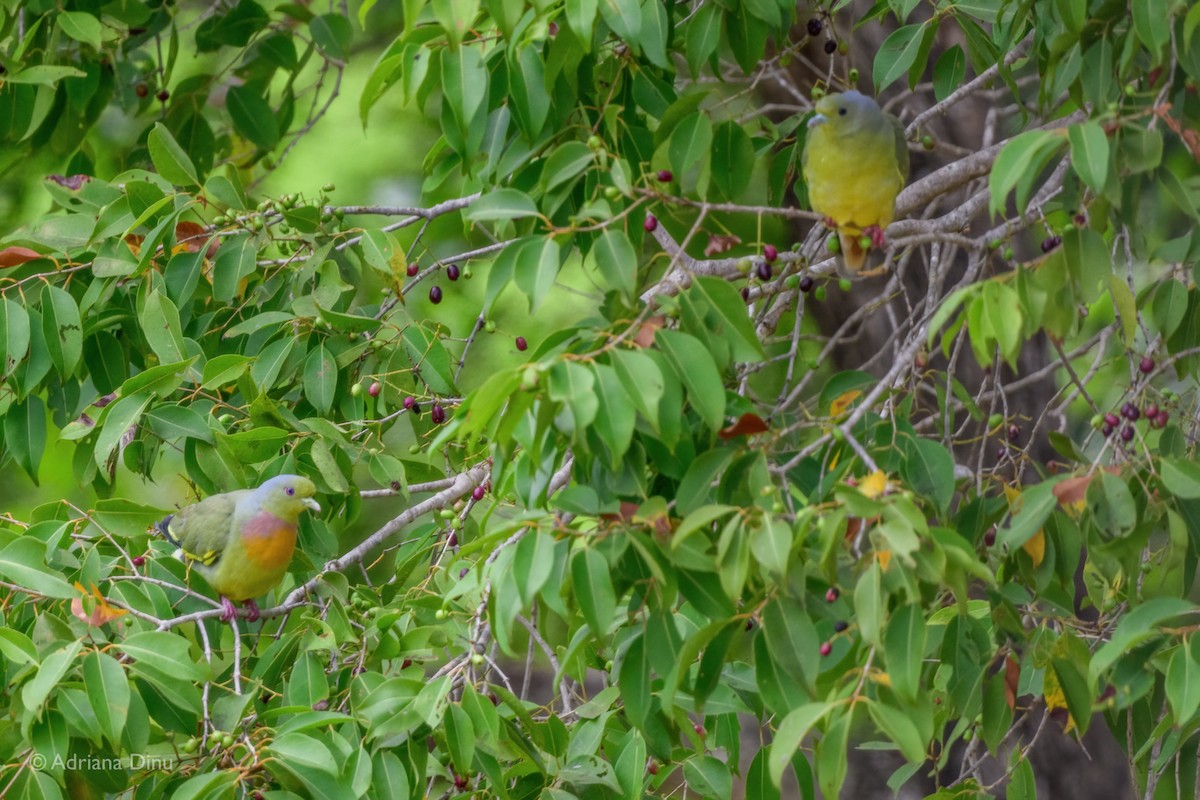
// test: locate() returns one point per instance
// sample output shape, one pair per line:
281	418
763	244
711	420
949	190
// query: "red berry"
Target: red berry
989	538
460	782
410	402
830	47
651	223
1146	365
1126	433
163	95
832	594
438	415
1151	411
477	493
814	27
1112	420
770	253
522	345
452	272
1130	412
139	561
1162	417
141	90
665	175
411	270
1014	433
406	663
826	648
806	284
699	729
435	294
374	389
652	766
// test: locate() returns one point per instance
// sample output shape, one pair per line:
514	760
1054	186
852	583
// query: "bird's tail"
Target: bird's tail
164	527
854	256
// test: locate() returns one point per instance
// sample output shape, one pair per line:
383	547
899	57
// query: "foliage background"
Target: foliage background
731	520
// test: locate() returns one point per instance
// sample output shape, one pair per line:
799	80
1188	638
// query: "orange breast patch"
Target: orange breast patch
271	549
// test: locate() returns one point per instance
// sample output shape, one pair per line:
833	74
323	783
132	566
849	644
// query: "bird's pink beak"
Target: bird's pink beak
817	119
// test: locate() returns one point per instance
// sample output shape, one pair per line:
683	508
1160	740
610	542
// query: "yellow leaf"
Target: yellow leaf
94	612
1013	495
1035	546
843	401
874	484
1055	698
880	677
885	558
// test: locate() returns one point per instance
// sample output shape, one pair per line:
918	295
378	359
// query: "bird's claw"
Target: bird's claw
252	612
875	233
830	223
228	610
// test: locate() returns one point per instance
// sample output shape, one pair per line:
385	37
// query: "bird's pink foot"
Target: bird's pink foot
252	612
228	610
829	222
876	235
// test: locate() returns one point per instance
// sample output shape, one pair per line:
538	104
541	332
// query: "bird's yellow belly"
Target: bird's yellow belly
854	187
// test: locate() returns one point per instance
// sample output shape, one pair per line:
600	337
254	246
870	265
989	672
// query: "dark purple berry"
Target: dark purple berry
832	594
1151	411
763	271
1130	412
1146	365
522	345
830	47
452	272
435	294
1051	242
814	27
1112	420
651	223
477	493
438	415
412	269
1126	433
770	253
410	403
163	95
1162	417
746	294
462	573
1106	430
1014	433
750	624
841	625
989	538
806	284
416	409
141	90
826	648
665	175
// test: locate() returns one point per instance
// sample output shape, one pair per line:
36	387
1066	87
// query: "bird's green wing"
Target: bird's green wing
901	147
202	530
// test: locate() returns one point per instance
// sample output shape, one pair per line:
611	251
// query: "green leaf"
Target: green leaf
633	679
501	204
44	74
643	382
899	727
1136	627
1181	477
320	379
623	16
464	83
593	589
929	469
1169	305
252	116
235	261
327	465
331	33
1183	680
1152	25
171	161
697	371
869	604
702	36
160	326
690	142
708	776
792	640
23	562
108	693
732	160
52	670
729	318
1036	504
14	334
896	54
62	329
567	161
81	26
1089	153
904	649
119	418
537	268
1112	505
430	358
788	737
174	422
1017	165
948	72
527	88
615	416
613	256
695	489
25	434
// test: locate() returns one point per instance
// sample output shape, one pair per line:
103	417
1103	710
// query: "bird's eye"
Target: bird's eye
290	490
842	112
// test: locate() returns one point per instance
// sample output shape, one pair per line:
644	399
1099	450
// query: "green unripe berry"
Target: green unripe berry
777	507
928	142
446	513
356	390
792	281
477	659
743	265
439	614
225	419
612	192
854	74
608	665
994	244
414	449
227	740
490	326
1097	422
1008	254
1129	90
467	273
832	244
838	434
329	187
864	242
819	293
844	284
995	421
817	93
843	47
594	142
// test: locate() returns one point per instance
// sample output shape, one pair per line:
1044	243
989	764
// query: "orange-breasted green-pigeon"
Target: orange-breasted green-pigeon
855	163
242	541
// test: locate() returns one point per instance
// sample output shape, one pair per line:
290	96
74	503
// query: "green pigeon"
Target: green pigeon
242	542
855	162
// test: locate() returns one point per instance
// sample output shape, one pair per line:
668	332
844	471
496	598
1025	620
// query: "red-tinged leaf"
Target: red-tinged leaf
94	609
747	425
1012	679
16	256
190	236
720	243
645	334
853	526
72	182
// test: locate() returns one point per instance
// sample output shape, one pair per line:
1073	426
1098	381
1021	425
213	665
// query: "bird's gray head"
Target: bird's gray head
846	111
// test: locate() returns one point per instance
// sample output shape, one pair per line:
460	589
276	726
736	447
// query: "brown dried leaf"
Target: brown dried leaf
747	425
645	334
72	182
721	243
16	256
